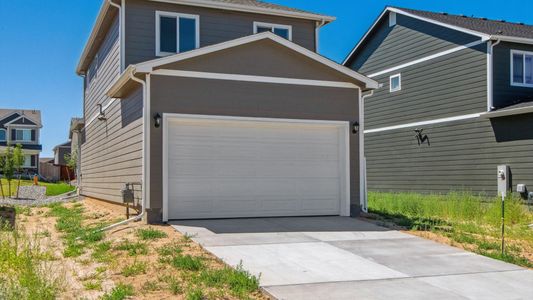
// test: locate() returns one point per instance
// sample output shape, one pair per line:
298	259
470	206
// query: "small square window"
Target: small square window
521	68
395	83
176	33
2	135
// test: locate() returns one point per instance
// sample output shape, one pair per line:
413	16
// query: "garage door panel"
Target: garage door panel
220	168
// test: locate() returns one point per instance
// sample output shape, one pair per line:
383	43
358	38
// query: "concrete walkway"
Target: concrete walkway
344	258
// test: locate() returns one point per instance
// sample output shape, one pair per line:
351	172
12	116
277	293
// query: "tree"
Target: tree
8	168
2	161
72	163
18	163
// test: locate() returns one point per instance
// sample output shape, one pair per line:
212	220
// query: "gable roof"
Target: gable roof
10	115
251	6
149	66
482	27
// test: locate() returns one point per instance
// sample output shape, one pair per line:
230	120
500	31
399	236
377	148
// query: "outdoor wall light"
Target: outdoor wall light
355	127
157	120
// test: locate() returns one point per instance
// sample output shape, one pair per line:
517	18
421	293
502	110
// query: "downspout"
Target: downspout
144	150
490	74
362	150
120	31
317	33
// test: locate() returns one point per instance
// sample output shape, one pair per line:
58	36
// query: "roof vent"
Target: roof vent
464	16
484	19
521	23
503	21
445	13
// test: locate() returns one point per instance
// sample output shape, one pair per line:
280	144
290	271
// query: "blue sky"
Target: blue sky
41	41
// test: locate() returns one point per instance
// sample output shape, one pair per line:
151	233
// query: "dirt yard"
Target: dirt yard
134	261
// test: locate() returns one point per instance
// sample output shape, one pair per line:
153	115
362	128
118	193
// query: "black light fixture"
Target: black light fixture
157	120
355	127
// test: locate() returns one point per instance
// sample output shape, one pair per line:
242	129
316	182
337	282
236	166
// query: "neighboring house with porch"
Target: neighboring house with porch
455	101
22	127
219	109
60	153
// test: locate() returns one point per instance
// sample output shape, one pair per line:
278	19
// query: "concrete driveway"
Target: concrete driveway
345	258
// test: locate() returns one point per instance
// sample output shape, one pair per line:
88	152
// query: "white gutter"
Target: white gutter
317	34
144	156
490	74
362	159
121	29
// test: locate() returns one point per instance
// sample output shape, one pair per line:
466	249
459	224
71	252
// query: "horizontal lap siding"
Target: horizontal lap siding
448	86
462	156
216	26
111	152
408	40
504	93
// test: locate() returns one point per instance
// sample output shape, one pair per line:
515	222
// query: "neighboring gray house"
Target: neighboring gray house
455	101
22	127
220	109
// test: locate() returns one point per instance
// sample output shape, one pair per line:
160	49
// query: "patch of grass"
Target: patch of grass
240	282
151	286
195	294
23	274
170	250
467	219
187	262
119	292
150	234
136	268
133	248
101	252
93	285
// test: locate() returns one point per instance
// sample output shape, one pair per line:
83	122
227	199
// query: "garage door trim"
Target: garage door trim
343	125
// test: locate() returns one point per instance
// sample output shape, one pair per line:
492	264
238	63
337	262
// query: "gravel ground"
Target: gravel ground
28	202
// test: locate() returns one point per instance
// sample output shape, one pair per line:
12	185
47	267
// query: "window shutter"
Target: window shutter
33	134
32	160
13	135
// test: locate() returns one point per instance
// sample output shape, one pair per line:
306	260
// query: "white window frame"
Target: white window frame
27	158
14	138
158	15
5	135
399	88
272	27
523	53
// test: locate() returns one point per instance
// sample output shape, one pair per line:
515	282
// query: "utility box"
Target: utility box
503	180
128	195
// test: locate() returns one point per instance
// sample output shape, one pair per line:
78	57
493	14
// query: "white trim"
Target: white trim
392	19
158	15
146	139
524	54
252	78
489	76
422	123
483	36
399	88
344	207
430	57
123	36
513	39
10	123
507	112
5	134
149	66
273	26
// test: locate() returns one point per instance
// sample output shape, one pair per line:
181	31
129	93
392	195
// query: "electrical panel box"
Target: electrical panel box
503	180
521	188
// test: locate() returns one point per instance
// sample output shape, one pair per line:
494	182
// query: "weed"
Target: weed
187	262
195	294
119	292
136	268
101	252
93	285
150	234
239	281
150	286
170	250
133	248
174	285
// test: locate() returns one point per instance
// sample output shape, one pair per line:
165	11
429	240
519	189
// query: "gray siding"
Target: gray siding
216	26
462	156
448	86
111	150
232	98
504	93
408	40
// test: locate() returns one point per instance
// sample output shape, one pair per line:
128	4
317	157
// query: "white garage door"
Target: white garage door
220	167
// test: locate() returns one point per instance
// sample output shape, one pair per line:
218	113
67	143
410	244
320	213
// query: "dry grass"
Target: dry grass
136	260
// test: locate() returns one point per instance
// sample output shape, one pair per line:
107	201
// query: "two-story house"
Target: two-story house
454	103
219	109
22	127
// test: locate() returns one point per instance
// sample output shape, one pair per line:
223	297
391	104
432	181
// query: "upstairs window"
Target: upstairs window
521	68
2	135
176	33
396	83
284	31
23	135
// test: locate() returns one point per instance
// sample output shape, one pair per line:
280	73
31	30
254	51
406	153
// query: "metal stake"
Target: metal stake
503	224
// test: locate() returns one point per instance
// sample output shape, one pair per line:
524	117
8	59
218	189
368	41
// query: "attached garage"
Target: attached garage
228	167
253	127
